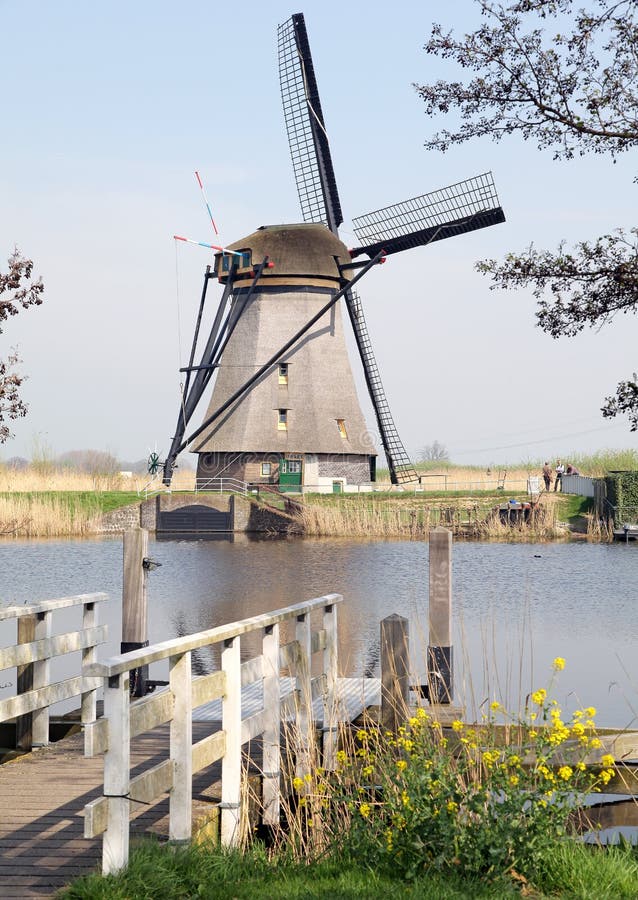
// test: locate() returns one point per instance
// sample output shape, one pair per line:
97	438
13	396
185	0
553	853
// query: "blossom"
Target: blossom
452	806
495	705
590	711
364	810
607	760
401	765
297	783
457	725
538	697
558	664
565	772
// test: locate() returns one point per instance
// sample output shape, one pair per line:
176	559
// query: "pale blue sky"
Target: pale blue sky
108	109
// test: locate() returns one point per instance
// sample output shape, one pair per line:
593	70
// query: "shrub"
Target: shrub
484	800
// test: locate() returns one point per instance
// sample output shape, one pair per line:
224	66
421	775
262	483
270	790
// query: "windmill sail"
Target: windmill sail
309	148
447	212
401	468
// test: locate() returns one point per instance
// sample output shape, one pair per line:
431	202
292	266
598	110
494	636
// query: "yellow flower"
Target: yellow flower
401	765
362	735
595	744
590	711
514	779
341	756
578	729
533	734
565	772
367	771
457	725
495	705
307	778
607	760
452	806
297	783
538	697
364	810
421	713
606	775
559	664
581	766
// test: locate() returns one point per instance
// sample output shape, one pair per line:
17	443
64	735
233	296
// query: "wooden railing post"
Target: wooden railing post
181	751
272	731
303	636
26	634
231	761
89	655
330	699
395	681
117	765
41	676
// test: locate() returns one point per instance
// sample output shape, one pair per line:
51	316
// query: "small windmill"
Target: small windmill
284	407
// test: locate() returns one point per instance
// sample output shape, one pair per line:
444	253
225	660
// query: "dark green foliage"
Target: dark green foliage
622	495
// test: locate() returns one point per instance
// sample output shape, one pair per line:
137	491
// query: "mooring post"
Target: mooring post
134	603
26	634
395	680
440	663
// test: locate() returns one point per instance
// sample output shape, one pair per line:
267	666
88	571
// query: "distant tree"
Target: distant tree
573	90
434	452
92	462
19	463
17	290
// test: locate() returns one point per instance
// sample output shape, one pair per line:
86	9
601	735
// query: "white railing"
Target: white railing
32	654
123	720
221	485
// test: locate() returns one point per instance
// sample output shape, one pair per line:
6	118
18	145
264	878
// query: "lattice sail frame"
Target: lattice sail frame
307	138
456	209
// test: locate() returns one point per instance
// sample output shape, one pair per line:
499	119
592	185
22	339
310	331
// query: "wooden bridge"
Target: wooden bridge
174	758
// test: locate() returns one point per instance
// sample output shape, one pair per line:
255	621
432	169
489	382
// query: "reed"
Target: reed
47	516
37	478
412	521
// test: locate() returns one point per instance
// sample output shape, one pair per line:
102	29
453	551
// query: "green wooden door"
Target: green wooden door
290	475
337	487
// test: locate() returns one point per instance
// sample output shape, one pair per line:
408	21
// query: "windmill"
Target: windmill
284	407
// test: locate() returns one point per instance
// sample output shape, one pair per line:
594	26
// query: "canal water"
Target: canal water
516	606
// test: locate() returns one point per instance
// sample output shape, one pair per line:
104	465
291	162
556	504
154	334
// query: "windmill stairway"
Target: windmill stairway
401	468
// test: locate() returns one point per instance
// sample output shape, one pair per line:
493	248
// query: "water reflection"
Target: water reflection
519	605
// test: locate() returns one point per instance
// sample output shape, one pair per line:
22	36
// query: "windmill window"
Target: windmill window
282	420
266	468
341	425
283	373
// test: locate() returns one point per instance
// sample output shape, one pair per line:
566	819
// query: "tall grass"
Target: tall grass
412	521
38	478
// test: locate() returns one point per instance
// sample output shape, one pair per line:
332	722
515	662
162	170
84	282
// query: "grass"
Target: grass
157	871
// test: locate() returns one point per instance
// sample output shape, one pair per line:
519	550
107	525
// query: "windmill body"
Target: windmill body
300	423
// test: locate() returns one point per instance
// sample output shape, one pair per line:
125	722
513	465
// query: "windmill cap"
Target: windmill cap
302	255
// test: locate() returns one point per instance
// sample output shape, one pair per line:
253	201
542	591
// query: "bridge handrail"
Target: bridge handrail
36	647
123	720
221	485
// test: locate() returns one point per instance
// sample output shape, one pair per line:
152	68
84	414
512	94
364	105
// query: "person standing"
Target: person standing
547	475
560	469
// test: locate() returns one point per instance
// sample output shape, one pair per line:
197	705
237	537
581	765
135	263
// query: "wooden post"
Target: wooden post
89	655
41	679
395	681
117	766
330	700
440	663
134	602
272	730
303	722
181	749
231	761
26	634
